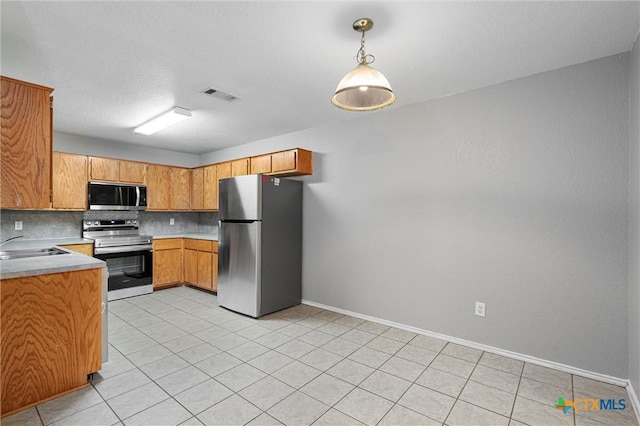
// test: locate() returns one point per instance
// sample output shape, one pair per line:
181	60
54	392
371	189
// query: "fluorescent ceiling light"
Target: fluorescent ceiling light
163	121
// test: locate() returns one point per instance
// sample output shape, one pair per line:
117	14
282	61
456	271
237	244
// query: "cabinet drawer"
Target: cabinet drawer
204	245
190	244
168	243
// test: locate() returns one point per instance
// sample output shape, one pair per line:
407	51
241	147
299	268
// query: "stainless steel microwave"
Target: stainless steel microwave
109	196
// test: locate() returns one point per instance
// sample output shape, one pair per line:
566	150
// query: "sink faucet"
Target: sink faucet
13	238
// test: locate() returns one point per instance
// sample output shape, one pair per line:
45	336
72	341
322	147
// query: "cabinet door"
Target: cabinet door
69	184
191	266
25	169
261	164
180	188
240	167
210	186
132	172
282	161
197	189
167	267
214	271
51	335
204	269
105	169
158	187
223	171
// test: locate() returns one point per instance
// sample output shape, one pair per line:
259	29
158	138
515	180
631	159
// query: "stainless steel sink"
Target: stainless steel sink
20	254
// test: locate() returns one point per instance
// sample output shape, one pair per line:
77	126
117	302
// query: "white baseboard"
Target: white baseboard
633	396
522	357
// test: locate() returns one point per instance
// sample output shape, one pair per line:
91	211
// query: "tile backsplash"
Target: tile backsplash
50	224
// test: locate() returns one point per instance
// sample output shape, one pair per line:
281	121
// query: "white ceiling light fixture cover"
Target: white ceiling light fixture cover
363	88
161	122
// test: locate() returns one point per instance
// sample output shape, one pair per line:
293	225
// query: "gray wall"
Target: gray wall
65	142
634	219
514	195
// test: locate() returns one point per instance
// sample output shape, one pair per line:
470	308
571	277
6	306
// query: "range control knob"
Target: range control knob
128	221
135	221
95	222
88	223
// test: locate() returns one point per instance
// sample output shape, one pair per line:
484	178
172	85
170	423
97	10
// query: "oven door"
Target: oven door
130	273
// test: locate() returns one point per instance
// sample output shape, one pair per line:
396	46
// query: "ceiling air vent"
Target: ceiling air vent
219	94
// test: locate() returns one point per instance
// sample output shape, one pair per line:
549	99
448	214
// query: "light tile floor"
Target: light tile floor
175	357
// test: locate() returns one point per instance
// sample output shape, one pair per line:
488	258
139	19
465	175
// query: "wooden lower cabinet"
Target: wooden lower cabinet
51	335
86	249
167	262
201	263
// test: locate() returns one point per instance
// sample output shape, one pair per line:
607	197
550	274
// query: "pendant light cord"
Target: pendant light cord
362	57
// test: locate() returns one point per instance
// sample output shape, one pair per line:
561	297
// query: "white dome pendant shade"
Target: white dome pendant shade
363	88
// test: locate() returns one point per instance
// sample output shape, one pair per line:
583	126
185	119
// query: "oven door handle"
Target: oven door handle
122	249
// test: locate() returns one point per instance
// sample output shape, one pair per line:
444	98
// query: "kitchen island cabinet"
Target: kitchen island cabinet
25	154
83	248
51	335
69	183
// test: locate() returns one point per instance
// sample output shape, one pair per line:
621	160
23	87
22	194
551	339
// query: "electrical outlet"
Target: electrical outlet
18	225
480	309
172	221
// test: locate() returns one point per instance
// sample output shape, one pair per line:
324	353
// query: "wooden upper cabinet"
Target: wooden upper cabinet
69	184
294	162
210	188
158	187
223	171
240	167
113	170
283	161
261	164
197	189
132	171
180	196
25	169
103	169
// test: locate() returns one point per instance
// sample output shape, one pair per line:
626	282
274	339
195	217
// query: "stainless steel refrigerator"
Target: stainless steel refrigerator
260	244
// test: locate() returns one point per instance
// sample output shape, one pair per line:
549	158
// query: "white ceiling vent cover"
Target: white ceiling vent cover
219	94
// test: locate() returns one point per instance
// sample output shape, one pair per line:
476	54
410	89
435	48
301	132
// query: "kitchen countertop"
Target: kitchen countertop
27	267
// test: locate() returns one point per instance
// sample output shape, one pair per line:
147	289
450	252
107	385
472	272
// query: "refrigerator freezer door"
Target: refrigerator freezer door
239	267
241	198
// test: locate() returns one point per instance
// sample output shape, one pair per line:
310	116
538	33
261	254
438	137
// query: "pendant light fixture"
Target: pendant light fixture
363	88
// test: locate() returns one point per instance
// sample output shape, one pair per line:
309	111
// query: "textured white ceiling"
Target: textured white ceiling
115	64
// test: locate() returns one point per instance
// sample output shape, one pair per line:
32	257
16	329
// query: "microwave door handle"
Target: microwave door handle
137	196
119	202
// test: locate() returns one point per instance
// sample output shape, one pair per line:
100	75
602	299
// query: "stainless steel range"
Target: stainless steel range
129	255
